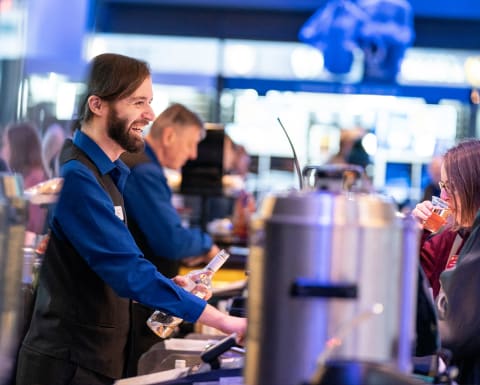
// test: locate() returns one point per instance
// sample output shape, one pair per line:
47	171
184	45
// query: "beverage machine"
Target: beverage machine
332	288
13	214
18	262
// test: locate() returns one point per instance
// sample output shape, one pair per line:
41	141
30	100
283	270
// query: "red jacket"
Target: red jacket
434	253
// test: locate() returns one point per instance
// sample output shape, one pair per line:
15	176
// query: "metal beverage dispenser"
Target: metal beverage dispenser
13	214
333	276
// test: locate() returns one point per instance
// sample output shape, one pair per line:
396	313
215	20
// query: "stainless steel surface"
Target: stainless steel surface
330	238
13	212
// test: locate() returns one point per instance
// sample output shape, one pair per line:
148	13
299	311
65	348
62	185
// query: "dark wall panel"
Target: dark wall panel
201	22
257	24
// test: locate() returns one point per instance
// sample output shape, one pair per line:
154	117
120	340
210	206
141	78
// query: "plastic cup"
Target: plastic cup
439	216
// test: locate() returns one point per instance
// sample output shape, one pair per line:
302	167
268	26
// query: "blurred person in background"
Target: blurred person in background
3	163
80	331
236	164
229	155
358	155
52	142
22	150
348	138
236	160
153	220
242	161
432	188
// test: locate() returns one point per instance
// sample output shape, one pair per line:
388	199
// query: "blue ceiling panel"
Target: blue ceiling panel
449	9
438	24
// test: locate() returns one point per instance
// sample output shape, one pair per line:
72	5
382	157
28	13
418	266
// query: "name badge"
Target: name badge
451	262
119	212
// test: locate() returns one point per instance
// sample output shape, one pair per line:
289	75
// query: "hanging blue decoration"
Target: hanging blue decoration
382	29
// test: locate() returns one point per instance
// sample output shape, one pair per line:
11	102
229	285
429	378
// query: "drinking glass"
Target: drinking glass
439	216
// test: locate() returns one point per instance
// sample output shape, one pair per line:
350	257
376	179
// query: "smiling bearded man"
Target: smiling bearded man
80	332
128	137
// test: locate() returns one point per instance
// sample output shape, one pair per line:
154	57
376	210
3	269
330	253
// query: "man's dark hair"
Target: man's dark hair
111	77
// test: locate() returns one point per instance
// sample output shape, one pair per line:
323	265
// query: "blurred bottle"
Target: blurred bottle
40	250
199	283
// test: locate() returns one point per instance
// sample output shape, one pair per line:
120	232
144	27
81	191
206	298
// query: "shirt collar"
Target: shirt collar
94	152
151	154
100	159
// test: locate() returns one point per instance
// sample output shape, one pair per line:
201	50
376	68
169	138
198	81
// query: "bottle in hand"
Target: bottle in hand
199	283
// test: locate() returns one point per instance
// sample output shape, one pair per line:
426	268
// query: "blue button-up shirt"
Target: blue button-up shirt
155	214
87	218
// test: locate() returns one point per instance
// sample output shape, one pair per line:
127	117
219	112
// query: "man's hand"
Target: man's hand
199	290
180	280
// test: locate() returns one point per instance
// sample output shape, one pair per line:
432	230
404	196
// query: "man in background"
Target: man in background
52	142
152	218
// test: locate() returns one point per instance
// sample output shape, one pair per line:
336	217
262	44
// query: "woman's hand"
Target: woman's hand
422	211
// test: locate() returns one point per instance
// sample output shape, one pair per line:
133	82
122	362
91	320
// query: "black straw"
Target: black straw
295	159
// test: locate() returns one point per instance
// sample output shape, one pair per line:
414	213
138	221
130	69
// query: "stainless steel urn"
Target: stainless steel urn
332	277
13	213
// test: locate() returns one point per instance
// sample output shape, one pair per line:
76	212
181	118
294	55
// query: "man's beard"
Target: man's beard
118	131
